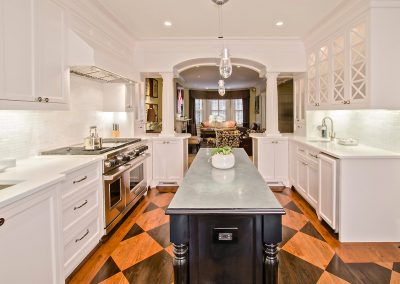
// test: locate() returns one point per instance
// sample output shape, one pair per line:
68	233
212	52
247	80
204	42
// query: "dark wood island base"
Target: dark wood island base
225	226
226	248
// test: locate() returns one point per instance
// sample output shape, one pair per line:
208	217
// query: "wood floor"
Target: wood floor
139	250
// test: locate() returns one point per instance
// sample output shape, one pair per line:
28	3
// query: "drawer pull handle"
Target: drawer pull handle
301	150
80	239
315	156
80	206
304	163
78	181
2	221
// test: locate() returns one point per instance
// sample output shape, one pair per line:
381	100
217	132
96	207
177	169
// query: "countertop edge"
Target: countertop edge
232	211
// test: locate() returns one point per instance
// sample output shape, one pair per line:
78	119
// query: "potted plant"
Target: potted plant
222	158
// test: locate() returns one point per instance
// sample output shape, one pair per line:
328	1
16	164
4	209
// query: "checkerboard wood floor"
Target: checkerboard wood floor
139	250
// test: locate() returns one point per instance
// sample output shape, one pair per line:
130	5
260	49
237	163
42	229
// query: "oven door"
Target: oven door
134	182
114	197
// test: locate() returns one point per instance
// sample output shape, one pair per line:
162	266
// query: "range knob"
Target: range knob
110	163
126	158
120	158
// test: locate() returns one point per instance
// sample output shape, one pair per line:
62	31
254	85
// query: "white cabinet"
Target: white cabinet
33	68
306	181
169	160
338	70
272	159
82	214
30	239
292	163
327	190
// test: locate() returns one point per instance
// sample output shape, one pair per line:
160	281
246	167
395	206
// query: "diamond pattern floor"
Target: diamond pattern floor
139	251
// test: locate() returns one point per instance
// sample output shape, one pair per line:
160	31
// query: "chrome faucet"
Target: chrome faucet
325	134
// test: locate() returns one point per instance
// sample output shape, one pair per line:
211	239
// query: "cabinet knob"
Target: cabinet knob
2	221
46	100
39	99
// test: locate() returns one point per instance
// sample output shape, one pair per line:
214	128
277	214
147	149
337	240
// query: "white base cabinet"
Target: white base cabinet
30	241
306	172
271	158
82	214
170	160
328	191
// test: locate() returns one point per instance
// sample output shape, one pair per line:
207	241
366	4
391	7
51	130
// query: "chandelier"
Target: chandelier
225	65
221	88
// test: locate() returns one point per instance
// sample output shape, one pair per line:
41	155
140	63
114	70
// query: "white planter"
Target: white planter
223	162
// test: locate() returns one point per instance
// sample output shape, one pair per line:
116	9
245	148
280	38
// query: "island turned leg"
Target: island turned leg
179	236
272	235
271	263
180	264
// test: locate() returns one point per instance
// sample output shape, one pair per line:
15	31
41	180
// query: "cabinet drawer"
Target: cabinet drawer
312	155
301	150
75	208
79	245
80	178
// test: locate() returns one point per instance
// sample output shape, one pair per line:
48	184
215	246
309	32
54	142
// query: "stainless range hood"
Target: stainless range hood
98	74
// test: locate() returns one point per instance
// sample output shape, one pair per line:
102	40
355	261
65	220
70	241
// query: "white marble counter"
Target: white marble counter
36	173
336	150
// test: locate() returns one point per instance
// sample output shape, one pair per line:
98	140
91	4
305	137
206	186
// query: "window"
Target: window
218	108
238	111
199	110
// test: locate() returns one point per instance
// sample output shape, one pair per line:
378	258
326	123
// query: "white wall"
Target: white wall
163	55
26	133
377	128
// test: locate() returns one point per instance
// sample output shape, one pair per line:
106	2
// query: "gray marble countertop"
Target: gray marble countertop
240	190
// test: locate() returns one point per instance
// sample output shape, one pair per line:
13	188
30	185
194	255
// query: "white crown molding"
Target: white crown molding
344	13
89	19
385	4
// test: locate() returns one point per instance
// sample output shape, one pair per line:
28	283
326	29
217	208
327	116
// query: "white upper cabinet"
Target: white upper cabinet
358	63
33	68
337	70
51	70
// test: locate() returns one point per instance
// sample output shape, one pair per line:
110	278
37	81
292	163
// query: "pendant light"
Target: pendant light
225	65
221	88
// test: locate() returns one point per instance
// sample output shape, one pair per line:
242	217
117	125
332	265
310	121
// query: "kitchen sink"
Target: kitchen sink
8	183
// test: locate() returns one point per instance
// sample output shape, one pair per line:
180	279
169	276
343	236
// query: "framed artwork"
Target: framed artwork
154	88
257	105
152	85
152	112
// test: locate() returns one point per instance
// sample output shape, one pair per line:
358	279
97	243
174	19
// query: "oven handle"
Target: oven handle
127	167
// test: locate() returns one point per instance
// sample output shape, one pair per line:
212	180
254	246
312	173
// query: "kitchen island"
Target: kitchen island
225	225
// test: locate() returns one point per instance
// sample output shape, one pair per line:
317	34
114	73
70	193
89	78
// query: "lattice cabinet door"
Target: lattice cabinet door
358	63
312	95
338	66
324	74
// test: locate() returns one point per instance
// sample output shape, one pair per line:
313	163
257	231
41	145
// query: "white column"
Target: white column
272	105
168	104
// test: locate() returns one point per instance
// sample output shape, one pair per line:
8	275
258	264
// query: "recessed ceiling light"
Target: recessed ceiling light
167	23
280	23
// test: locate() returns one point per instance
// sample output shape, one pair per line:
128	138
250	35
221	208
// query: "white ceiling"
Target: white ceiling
144	19
206	77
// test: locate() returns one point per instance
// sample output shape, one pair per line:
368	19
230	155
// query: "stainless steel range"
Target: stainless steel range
124	174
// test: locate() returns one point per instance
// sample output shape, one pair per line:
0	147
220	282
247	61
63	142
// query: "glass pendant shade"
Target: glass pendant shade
221	87
225	66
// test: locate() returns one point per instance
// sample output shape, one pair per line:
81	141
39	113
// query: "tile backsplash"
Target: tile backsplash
26	133
377	128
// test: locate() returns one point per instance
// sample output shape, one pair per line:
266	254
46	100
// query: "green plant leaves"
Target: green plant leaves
223	150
